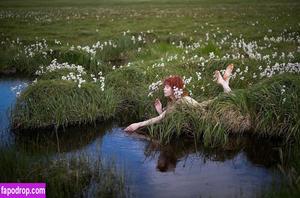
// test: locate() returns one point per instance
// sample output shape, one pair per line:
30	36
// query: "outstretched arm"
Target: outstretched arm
137	125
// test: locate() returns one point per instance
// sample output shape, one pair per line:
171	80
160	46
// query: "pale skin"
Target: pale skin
168	92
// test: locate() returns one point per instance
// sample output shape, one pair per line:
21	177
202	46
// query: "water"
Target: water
245	168
9	89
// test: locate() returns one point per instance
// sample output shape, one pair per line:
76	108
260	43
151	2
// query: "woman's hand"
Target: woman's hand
158	106
132	127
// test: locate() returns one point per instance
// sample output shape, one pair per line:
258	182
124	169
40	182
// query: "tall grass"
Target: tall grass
275	106
130	84
55	103
259	110
186	121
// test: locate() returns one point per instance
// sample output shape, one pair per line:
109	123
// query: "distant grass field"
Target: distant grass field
77	21
113	54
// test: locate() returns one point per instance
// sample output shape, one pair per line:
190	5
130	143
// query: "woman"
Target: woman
174	91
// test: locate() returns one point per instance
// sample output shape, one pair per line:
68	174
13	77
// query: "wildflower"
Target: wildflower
154	87
283	100
139	38
282	91
211	55
187	80
177	92
198	75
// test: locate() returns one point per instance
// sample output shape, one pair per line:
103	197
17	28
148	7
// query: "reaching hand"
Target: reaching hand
132	127
158	106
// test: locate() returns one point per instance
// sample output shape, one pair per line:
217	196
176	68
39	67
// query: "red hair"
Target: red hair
176	81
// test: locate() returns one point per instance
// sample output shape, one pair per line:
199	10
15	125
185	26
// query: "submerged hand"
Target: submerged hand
132	127
158	106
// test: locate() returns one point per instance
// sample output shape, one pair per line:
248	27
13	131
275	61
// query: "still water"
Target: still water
244	168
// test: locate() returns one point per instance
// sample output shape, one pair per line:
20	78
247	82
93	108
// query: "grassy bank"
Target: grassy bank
269	108
55	103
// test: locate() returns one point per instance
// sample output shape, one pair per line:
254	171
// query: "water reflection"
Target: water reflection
51	142
258	151
184	169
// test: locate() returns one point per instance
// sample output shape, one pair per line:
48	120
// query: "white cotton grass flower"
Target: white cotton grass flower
279	68
202	88
254	76
282	91
199	77
101	79
187	80
54	66
77	75
177	92
283	100
154	87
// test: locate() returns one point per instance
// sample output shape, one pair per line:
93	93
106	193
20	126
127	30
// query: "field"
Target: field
103	61
98	61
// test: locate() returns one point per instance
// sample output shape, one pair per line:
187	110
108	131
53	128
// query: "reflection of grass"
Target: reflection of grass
73	177
290	169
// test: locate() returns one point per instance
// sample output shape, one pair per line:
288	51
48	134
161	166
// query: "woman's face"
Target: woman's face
168	91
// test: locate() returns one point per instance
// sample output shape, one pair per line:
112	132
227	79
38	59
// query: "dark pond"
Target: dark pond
244	168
